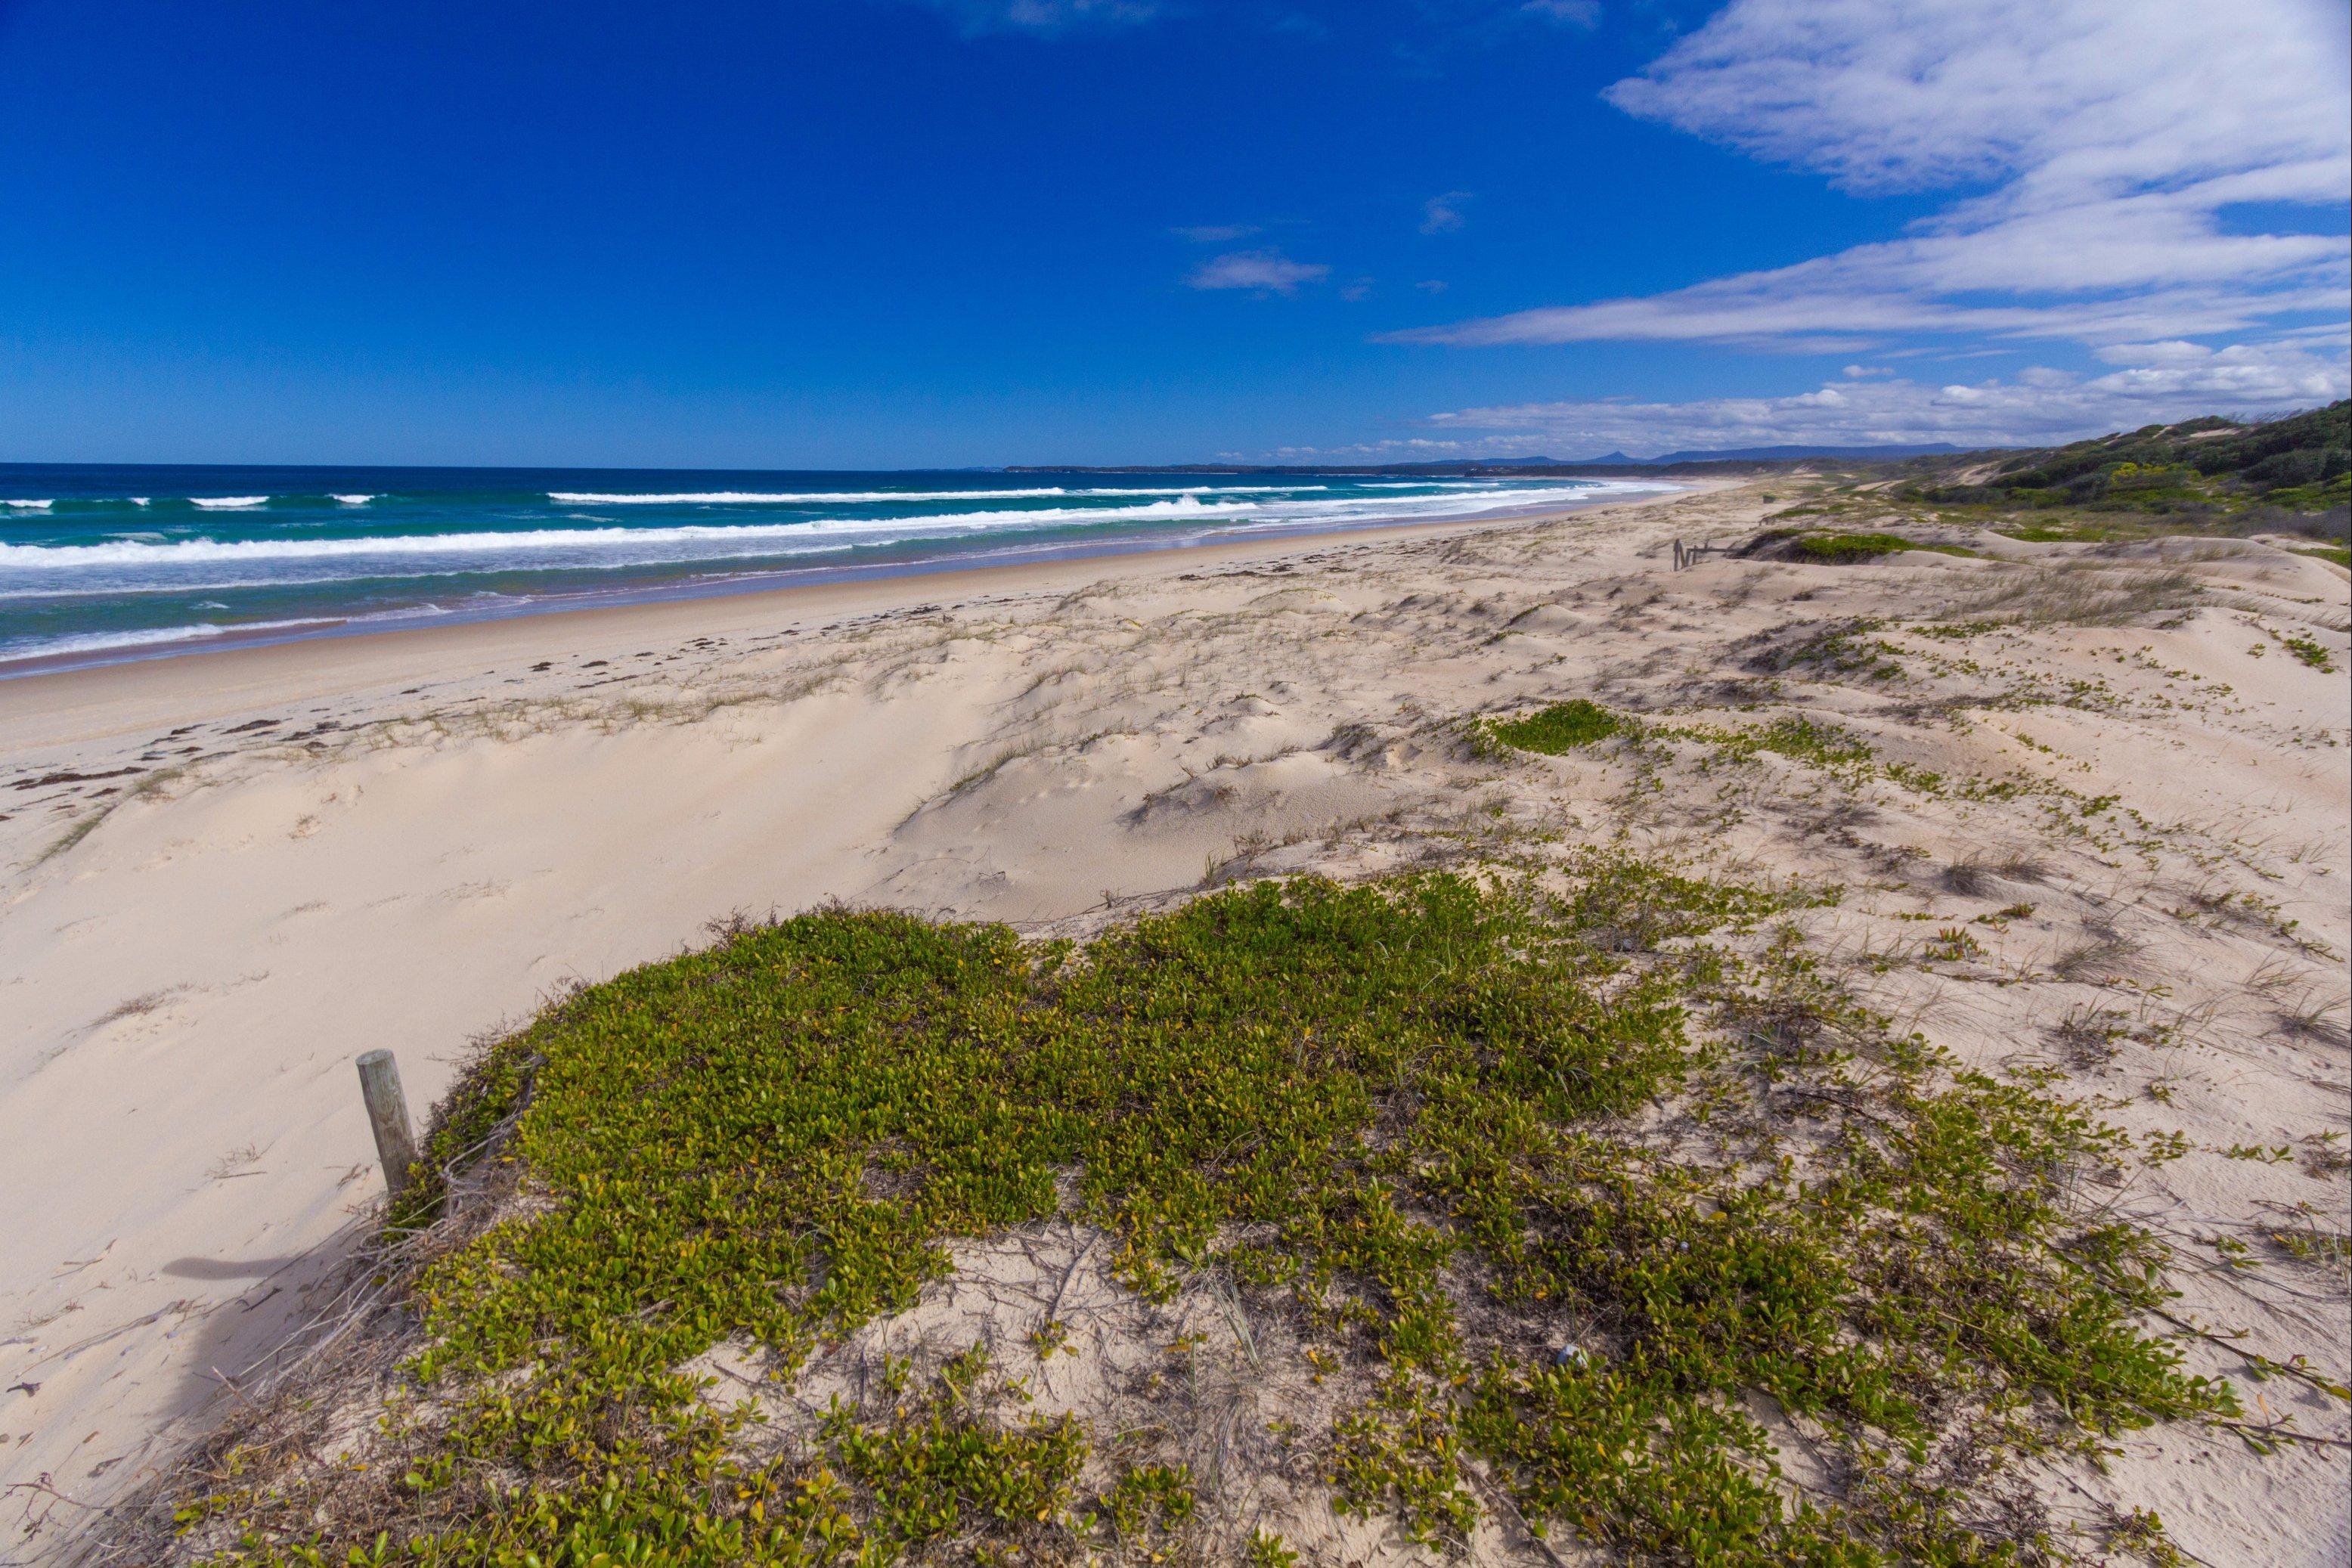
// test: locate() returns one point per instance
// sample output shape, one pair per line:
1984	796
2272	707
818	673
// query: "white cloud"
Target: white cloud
2115	136
2172	351
1215	233
2037	406
1442	214
1919	94
1408	448
1567	12
1043	17
1265	271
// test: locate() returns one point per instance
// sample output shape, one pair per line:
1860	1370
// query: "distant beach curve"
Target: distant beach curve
100	563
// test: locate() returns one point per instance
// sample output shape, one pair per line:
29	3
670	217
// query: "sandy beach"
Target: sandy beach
229	874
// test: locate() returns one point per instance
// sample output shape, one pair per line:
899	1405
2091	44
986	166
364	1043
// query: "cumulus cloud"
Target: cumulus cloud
1263	271
2110	140
1046	17
1442	214
2039	405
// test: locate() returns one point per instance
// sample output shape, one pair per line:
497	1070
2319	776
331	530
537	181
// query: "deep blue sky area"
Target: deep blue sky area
834	233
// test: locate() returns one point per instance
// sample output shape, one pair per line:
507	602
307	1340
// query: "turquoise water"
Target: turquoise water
101	563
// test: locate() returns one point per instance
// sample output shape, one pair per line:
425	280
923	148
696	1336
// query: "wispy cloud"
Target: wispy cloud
1442	214
1045	18
1585	13
1215	232
2117	136
1406	449
1261	271
2158	381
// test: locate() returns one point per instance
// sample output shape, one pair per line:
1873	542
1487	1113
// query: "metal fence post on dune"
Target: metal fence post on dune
387	1109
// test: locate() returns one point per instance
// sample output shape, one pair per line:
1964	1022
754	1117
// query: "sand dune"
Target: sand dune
407	840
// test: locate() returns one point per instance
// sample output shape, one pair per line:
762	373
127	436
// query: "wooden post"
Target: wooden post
387	1111
1678	555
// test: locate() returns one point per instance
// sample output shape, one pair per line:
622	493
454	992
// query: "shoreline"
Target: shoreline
222	676
724	585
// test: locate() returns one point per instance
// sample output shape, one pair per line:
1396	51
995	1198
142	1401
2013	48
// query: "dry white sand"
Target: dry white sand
229	874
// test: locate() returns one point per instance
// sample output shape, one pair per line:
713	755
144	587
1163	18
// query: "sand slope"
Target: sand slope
433	832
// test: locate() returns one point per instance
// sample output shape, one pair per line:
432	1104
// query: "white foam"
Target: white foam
28	573
29	505
779	497
95	642
1201	490
721	540
853	497
101	642
36	557
222	503
352	500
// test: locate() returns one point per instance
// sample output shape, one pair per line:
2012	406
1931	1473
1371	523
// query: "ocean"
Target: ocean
102	563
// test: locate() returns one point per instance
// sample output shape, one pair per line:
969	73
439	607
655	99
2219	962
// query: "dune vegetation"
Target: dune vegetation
1584	1196
2302	463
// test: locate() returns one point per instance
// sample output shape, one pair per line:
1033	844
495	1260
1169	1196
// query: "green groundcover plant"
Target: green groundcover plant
1561	728
1603	1189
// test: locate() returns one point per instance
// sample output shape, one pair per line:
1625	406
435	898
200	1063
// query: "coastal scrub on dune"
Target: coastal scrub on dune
1666	1246
1844	547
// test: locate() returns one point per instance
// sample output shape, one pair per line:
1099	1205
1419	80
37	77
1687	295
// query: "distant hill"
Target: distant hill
1737	455
2302	464
2295	465
1709	454
1611	462
1518	467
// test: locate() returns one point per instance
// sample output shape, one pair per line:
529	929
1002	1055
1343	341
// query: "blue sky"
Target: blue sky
873	233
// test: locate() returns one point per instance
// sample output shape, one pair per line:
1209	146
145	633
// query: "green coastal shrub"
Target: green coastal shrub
1561	728
1839	549
1468	1137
